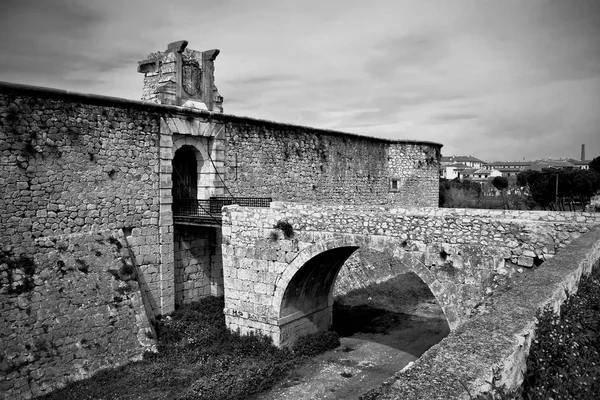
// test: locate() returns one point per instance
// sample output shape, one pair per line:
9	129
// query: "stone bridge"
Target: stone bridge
280	263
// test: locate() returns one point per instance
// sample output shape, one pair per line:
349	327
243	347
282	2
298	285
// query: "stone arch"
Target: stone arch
190	141
185	174
204	171
289	286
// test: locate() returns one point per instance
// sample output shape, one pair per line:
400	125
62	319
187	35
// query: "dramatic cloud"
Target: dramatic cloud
496	79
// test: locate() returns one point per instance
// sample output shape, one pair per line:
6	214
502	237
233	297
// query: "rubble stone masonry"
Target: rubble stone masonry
87	250
292	163
74	173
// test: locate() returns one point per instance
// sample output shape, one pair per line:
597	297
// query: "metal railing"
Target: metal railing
209	210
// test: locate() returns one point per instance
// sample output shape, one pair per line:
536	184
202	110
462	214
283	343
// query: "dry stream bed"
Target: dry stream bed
382	329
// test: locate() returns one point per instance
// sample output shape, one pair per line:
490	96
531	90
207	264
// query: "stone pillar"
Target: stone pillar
167	262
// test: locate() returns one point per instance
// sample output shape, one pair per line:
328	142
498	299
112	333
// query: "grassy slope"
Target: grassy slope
199	359
564	361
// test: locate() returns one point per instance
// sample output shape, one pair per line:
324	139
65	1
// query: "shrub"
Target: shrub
564	360
199	358
286	228
316	343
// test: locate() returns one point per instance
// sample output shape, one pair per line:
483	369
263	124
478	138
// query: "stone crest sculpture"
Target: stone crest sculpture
183	77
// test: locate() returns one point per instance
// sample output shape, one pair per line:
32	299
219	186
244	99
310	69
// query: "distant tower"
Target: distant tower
583	152
182	77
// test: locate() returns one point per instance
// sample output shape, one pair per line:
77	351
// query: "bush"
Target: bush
199	358
316	343
564	360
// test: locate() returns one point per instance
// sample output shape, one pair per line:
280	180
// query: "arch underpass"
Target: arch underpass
310	289
304	293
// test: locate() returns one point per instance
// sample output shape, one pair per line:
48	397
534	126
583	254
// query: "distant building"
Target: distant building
472	168
452	166
550	163
581	164
469	161
480	175
508	168
452	171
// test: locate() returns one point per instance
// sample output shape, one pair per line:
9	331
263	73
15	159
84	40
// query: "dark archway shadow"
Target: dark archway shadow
401	313
310	288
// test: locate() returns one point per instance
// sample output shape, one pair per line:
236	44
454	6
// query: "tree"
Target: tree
500	183
573	185
540	184
456	193
595	165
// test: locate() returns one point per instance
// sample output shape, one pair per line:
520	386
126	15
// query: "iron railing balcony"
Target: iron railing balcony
208	211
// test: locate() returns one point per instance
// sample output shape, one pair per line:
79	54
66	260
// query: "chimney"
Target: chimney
583	152
182	77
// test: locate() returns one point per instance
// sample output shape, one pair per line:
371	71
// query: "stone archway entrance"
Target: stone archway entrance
185	176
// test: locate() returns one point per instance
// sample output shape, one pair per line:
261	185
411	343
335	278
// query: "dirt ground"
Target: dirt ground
382	329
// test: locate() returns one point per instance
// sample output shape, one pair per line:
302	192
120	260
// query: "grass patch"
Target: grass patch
199	358
564	360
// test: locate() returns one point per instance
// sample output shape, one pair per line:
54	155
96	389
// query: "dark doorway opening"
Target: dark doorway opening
185	175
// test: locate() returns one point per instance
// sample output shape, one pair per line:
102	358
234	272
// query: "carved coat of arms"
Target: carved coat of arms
192	78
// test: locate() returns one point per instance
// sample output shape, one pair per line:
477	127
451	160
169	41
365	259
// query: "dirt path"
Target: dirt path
366	360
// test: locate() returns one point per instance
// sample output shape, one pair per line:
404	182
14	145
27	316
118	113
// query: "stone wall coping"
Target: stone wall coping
513	215
493	346
90	98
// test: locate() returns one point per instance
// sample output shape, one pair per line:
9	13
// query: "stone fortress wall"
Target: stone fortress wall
85	179
74	172
291	163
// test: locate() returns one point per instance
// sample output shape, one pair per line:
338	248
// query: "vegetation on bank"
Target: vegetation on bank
564	359
199	358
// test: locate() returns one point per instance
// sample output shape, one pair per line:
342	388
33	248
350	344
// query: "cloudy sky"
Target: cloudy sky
498	79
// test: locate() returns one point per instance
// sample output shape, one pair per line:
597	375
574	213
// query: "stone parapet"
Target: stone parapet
492	348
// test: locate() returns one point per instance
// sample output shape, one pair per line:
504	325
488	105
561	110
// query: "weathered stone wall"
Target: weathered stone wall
198	263
71	308
72	164
459	253
292	163
70	167
415	168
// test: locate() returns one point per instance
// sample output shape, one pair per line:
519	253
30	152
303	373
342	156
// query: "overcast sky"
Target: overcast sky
498	79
